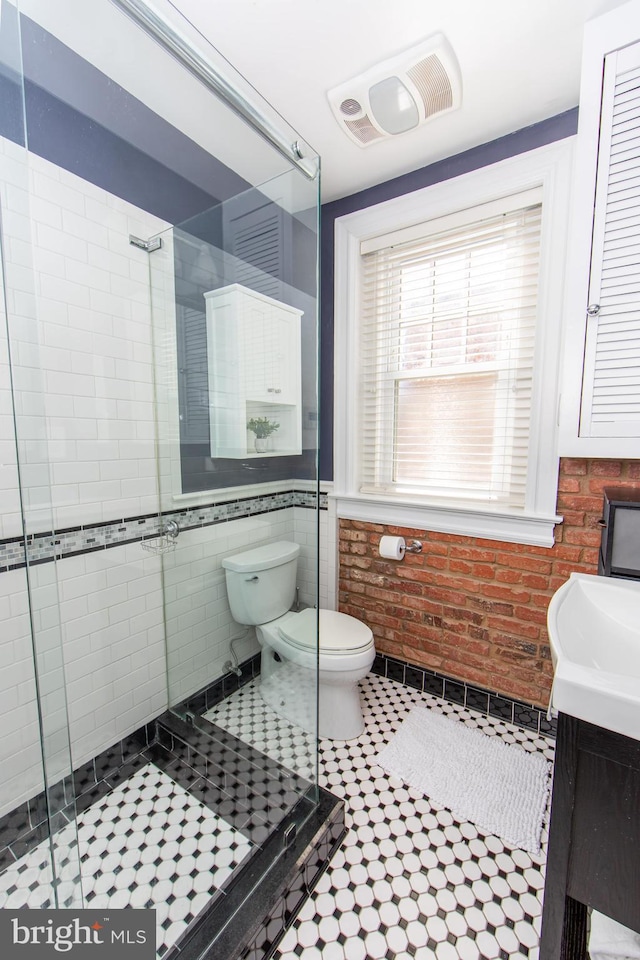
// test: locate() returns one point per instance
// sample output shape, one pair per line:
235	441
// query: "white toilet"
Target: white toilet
261	586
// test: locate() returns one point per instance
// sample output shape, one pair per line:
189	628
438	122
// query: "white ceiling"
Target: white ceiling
520	63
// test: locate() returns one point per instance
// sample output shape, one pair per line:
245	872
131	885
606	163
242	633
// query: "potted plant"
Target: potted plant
262	427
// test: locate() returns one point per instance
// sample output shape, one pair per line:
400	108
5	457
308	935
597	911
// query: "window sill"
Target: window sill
510	528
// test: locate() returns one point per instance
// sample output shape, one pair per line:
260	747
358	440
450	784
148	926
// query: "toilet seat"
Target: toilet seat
340	634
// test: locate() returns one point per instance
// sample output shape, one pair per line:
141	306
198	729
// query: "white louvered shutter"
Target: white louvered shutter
256	238
447	336
193	376
611	383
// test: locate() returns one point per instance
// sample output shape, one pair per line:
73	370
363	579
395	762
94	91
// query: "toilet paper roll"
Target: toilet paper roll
392	548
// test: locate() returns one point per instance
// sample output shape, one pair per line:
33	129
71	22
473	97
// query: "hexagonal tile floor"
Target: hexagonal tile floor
410	882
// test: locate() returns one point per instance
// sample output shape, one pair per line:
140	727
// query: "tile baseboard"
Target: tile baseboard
484	701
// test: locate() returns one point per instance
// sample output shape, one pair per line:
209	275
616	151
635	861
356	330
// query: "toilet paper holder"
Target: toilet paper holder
395	548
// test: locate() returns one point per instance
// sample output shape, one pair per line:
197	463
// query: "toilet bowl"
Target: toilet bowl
344	656
298	647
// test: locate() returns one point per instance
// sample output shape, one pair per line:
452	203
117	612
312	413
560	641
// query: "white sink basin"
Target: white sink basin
594	630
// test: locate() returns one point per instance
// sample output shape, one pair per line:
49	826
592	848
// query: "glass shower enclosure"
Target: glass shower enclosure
159	247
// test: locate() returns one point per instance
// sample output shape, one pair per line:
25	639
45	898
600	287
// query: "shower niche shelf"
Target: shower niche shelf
254	364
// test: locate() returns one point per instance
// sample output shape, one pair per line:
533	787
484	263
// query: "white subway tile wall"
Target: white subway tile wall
329	551
305	527
10	521
308	526
91	354
16	251
113	643
20	756
165	353
80	334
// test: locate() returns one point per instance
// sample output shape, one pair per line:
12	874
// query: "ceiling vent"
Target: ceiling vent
399	94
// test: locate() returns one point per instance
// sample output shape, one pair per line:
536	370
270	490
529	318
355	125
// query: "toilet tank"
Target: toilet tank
261	583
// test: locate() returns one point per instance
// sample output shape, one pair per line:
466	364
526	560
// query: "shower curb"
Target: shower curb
253	918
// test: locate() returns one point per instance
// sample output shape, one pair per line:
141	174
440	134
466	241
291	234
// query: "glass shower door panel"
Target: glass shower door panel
79	346
262	242
39	854
113	600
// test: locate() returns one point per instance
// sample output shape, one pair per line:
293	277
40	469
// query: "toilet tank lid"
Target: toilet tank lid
338	631
262	558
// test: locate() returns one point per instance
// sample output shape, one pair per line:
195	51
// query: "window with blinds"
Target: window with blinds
447	335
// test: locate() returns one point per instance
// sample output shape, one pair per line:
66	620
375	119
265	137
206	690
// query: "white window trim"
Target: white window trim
549	167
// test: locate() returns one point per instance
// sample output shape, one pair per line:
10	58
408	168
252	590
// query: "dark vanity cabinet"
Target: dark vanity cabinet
594	837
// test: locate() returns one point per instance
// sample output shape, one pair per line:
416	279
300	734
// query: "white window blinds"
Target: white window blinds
448	319
611	392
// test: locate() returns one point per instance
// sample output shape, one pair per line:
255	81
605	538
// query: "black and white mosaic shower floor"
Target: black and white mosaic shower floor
410	882
148	843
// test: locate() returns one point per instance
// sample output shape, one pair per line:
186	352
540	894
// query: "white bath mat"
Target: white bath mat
499	787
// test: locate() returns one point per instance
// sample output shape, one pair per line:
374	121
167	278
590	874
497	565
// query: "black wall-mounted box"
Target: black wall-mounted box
620	541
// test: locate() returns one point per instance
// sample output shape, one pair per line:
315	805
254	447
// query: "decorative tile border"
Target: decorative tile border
491	704
72	541
11	554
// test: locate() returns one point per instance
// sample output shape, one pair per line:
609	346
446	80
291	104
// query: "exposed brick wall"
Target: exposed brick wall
476	609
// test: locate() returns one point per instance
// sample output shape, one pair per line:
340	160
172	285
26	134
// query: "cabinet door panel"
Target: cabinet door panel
254	370
270	364
611	386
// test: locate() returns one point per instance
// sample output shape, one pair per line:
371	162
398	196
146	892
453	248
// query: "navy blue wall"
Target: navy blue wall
529	138
79	119
11	113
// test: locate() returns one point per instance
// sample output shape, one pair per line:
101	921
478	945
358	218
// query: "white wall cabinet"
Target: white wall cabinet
600	404
254	363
